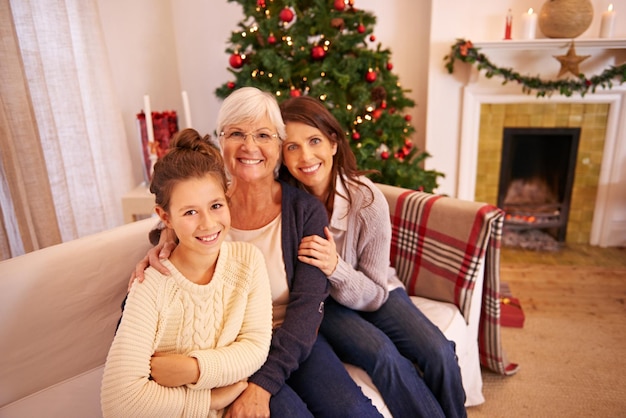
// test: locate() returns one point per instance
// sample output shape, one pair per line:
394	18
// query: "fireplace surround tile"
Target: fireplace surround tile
591	118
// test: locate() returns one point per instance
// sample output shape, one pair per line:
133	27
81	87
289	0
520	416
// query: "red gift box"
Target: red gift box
511	313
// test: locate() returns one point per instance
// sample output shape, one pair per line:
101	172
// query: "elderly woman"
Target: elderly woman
302	376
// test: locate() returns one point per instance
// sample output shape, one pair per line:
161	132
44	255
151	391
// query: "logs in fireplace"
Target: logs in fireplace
536	178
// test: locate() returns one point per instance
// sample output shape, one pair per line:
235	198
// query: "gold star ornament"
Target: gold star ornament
570	61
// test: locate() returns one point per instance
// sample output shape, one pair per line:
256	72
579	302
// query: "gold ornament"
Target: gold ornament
570	61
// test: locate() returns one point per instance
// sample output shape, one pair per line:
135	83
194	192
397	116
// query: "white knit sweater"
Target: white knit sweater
226	325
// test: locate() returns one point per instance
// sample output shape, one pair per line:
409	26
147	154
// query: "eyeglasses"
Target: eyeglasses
238	137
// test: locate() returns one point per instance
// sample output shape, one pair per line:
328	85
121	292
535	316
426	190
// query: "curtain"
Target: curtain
65	159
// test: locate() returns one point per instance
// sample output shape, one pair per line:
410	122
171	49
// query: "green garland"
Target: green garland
463	50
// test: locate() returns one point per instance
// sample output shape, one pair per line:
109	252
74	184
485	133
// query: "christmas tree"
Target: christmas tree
326	49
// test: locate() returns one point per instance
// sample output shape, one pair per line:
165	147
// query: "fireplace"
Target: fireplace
536	178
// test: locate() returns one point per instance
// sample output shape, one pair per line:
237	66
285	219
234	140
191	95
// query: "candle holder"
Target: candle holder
165	125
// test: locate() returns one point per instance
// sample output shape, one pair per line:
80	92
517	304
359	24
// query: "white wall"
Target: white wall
139	35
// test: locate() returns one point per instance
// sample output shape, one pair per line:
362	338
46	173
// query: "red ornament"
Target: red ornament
360	28
370	77
260	3
295	92
384	155
389	66
377	113
340	5
372	38
407	118
317	52
286	15
383	104
356	136
235	61
271	39
230	85
408	143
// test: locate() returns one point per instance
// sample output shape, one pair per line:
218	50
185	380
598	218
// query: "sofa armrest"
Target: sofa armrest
439	245
60	306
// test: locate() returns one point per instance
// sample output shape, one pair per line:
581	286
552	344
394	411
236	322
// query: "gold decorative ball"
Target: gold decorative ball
565	18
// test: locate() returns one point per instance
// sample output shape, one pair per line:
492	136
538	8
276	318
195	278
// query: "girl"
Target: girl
215	308
369	321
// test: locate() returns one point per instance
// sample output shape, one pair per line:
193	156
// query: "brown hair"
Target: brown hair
189	156
312	112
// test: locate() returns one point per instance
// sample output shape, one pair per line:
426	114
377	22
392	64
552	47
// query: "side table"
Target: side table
138	204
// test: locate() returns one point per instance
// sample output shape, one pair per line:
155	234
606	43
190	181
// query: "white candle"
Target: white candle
529	24
608	23
148	112
186	109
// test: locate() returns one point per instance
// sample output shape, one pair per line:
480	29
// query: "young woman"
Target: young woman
213	313
369	321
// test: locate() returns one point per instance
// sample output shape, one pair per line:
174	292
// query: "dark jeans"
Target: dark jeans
321	387
388	344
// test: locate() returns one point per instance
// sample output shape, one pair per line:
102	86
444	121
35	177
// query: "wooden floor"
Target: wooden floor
571	347
569	255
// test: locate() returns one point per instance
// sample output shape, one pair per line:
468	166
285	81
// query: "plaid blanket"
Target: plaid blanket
436	254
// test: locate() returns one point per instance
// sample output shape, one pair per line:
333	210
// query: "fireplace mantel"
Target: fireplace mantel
537	44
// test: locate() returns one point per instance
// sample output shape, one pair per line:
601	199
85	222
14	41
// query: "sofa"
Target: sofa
60	305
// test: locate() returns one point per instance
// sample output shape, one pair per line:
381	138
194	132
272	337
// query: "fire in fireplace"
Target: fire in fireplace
536	178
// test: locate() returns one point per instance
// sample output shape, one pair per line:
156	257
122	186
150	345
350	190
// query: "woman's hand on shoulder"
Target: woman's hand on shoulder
319	252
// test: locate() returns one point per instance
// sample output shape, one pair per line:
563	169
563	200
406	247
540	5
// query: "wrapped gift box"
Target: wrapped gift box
511	313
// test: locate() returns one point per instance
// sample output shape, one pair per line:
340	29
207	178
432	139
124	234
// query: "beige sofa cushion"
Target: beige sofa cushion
60	305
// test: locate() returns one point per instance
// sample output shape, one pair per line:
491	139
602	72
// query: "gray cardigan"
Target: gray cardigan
363	277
